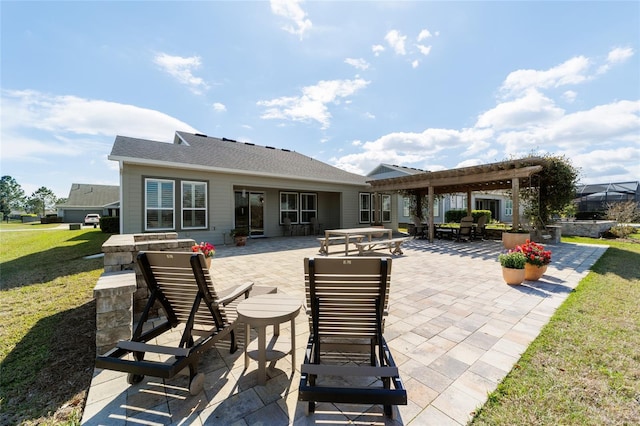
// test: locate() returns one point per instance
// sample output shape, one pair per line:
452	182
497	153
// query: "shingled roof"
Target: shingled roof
201	152
90	195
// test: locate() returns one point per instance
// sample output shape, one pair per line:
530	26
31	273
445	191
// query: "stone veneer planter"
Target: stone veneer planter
121	292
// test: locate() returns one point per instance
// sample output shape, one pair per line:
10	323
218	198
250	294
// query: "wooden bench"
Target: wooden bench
326	242
393	244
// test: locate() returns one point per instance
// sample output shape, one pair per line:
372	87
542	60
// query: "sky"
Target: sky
430	85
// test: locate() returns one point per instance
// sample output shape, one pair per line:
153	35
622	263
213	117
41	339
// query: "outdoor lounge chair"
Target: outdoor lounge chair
181	283
466	229
346	300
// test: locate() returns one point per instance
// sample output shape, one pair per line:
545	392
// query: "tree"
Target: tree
41	200
11	195
554	188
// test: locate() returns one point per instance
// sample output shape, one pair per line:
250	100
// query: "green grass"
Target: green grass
47	337
584	367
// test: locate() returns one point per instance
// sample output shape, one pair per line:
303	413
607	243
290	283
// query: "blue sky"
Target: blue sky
432	85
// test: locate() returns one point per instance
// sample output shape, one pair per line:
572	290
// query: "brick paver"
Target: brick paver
455	330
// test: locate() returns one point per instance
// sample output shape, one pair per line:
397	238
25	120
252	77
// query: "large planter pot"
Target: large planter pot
512	239
513	276
207	260
534	272
240	241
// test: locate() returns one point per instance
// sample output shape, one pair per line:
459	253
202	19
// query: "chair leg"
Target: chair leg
233	344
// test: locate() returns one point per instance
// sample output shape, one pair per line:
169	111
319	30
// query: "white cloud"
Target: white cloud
569	96
616	56
396	41
312	103
291	10
182	70
573	71
619	55
73	125
415	63
359	63
425	50
531	109
424	34
219	107
377	49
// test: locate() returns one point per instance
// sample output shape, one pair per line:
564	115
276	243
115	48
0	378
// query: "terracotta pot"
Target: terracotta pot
512	239
208	262
240	241
513	276
534	272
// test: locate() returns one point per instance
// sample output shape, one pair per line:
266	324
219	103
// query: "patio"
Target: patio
455	329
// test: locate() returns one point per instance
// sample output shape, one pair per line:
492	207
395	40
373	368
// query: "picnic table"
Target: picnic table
355	233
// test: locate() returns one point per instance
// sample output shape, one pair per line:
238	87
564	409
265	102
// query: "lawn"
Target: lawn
584	367
47	337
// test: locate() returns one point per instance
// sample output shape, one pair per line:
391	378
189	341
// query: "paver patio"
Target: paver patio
455	330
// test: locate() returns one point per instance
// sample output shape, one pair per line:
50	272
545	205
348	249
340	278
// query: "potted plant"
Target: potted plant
239	235
537	259
513	263
207	249
514	237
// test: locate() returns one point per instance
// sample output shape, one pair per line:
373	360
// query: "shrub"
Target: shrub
110	224
454	215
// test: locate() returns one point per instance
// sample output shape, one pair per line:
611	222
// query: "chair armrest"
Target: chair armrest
235	293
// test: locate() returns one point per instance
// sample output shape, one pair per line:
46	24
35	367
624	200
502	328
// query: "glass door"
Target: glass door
256	214
249	212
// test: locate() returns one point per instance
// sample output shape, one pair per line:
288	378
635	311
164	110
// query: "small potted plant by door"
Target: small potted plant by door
513	266
239	236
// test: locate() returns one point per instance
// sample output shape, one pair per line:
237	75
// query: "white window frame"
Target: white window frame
287	211
304	196
364	209
385	207
193	185
406	206
160	208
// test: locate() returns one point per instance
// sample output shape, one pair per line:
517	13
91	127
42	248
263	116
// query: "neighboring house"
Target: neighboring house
498	202
89	198
202	187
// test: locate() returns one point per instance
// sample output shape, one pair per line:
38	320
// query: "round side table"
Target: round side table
259	312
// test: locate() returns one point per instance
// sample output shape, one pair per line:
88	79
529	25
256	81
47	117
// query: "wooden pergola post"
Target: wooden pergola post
515	198
431	223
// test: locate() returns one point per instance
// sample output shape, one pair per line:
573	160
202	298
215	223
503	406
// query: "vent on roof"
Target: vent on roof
249	143
286	150
269	147
228	140
201	135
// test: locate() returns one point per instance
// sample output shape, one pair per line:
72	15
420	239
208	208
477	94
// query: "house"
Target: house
89	198
203	187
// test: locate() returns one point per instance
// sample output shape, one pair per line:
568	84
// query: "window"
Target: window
406	206
365	207
458	202
194	205
508	207
386	208
436	207
308	207
159	204
289	206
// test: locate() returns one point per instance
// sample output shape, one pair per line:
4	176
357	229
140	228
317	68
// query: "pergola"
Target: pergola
510	174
